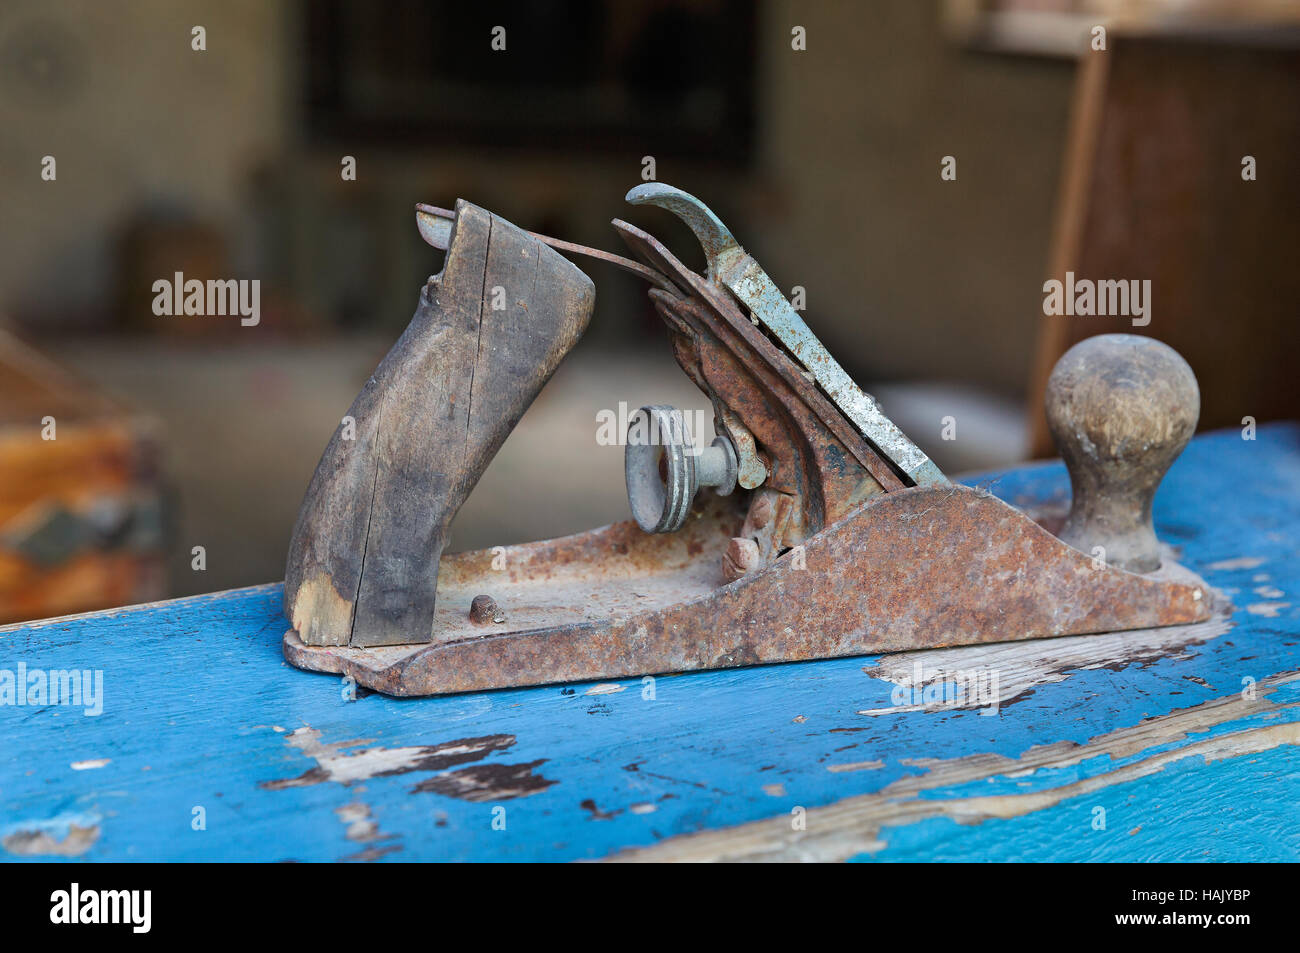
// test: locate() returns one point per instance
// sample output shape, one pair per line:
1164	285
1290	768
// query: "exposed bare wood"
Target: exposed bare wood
488	333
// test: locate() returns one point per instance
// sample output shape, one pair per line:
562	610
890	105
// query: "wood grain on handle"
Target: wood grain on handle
488	333
1120	408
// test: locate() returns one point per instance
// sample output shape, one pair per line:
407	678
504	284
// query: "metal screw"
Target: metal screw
484	609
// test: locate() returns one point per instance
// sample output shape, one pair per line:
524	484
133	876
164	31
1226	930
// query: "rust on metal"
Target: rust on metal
920	568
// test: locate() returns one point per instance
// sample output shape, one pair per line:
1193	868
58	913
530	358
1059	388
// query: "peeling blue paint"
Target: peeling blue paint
195	689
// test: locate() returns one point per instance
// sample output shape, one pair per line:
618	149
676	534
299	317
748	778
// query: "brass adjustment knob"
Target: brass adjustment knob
1121	408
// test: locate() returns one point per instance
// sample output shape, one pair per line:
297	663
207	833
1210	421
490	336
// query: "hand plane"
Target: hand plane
811	527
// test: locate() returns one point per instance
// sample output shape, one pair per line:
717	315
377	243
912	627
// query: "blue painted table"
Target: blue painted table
1173	744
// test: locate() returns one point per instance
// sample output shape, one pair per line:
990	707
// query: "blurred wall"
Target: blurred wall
907	276
911	276
136	120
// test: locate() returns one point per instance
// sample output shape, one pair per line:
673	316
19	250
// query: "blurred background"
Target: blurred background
182	445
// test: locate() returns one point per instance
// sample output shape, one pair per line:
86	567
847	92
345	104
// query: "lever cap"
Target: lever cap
1120	407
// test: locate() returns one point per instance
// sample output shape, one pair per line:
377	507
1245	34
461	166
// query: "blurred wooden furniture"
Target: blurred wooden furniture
1153	189
80	494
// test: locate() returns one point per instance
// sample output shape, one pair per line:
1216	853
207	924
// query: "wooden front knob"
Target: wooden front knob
1121	408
